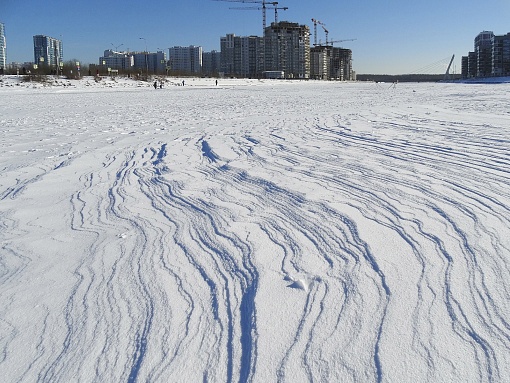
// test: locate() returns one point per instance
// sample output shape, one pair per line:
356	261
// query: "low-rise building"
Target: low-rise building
150	62
116	60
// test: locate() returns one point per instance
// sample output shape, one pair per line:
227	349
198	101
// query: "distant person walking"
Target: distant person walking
155	85
216	82
182	82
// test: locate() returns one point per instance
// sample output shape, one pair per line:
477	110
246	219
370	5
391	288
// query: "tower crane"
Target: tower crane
263	8
326	32
315	22
273	5
276	11
339	41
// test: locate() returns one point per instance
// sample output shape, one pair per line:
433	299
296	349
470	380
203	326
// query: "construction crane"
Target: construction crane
263	7
326	32
273	6
276	8
338	41
315	22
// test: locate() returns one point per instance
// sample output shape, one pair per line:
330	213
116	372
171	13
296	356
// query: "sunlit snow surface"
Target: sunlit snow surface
255	231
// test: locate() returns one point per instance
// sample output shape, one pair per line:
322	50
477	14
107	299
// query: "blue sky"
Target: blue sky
392	36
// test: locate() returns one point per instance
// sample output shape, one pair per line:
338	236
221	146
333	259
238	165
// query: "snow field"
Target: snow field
254	231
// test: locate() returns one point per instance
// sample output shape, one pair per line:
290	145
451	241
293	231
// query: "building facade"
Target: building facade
320	62
472	64
501	55
341	64
3	49
211	63
157	62
491	56
227	55
483	49
251	56
242	56
150	62
117	60
186	59
48	52
287	49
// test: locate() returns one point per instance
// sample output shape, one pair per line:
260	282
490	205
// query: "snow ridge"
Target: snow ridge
348	233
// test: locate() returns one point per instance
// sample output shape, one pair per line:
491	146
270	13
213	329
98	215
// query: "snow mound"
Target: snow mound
301	282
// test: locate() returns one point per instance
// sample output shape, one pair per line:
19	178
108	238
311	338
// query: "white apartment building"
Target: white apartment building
185	59
3	46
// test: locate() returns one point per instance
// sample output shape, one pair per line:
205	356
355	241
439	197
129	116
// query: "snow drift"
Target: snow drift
254	231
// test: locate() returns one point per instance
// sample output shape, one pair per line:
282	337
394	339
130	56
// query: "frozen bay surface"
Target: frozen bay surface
255	231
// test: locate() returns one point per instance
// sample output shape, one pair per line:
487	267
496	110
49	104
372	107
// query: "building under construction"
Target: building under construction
341	64
287	49
320	62
331	63
284	52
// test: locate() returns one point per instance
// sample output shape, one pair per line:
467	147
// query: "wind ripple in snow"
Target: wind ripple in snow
339	238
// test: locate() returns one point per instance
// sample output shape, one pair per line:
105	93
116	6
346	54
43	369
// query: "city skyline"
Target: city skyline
391	38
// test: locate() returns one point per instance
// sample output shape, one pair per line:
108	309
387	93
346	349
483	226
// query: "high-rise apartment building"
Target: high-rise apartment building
341	64
3	46
483	49
227	56
501	55
48	52
331	63
251	56
211	63
242	55
320	62
491	56
287	49
186	59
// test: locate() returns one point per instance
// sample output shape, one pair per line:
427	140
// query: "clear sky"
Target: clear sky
392	36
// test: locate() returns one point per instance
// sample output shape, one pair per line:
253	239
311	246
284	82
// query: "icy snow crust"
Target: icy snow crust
254	231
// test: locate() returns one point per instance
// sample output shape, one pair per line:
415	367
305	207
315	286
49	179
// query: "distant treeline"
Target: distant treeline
404	77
